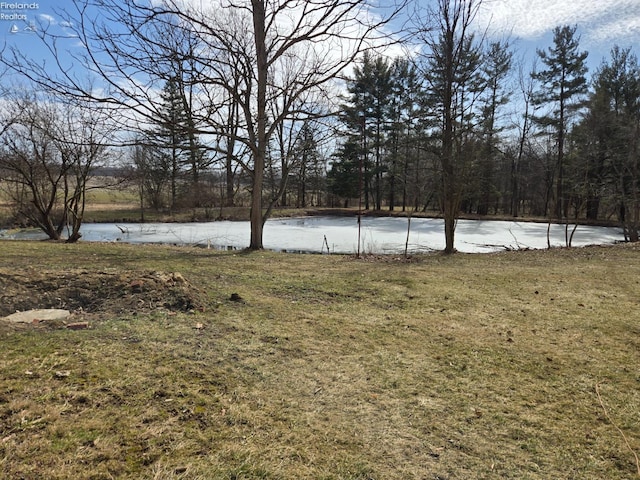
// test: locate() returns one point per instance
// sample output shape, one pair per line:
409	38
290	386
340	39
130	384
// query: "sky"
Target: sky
528	23
601	24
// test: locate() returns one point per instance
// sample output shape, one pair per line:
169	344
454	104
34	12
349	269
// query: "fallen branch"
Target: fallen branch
626	440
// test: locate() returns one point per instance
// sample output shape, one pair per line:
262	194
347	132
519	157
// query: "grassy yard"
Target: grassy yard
321	367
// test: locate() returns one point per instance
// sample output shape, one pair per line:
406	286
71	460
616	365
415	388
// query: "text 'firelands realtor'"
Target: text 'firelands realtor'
16	11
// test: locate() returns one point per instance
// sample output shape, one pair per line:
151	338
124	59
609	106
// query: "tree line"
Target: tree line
248	103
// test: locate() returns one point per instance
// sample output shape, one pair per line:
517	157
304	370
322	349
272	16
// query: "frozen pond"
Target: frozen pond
340	234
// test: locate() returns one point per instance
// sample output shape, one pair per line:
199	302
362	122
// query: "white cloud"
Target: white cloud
618	29
598	21
45	18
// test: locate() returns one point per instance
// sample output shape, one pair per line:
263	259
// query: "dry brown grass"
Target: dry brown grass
471	366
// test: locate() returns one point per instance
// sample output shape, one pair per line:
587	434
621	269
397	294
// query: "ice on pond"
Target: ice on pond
340	234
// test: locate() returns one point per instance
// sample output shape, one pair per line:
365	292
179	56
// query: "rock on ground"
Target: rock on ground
38	315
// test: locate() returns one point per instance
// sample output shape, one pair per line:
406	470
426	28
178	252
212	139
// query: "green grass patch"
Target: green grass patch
328	367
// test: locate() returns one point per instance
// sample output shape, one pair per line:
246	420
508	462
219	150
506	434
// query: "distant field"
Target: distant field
208	365
98	199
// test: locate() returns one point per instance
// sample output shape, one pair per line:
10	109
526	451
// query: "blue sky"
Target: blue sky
17	24
529	23
601	23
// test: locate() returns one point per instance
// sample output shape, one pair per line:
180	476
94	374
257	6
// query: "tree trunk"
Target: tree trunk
450	215
633	225
256	218
378	178
593	207
229	180
256	212
450	210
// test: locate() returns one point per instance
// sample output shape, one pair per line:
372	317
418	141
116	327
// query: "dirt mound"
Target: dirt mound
96	292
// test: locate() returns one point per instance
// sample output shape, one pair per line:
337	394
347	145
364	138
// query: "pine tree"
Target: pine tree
306	149
170	137
563	85
175	141
496	68
617	89
343	176
402	113
365	115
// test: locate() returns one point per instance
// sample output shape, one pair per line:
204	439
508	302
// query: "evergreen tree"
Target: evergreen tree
343	178
594	139
306	150
617	100
496	68
175	143
401	126
170	137
366	114
563	85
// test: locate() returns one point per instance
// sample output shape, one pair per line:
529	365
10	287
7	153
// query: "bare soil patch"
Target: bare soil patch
96	293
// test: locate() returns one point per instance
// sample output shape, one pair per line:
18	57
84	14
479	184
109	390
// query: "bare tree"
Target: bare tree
523	125
296	50
82	140
276	50
49	152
